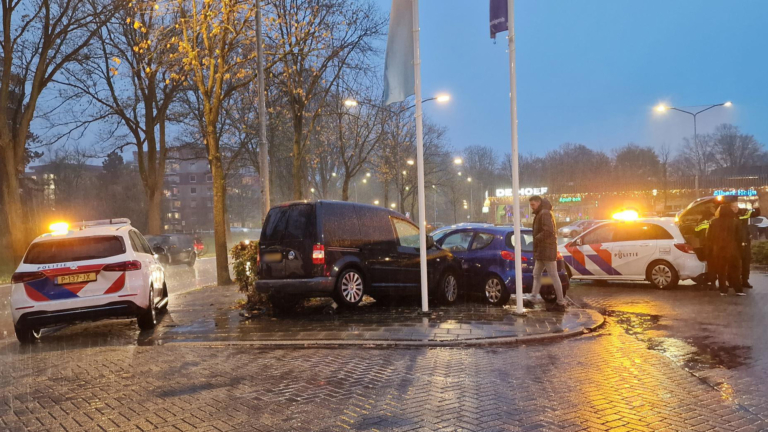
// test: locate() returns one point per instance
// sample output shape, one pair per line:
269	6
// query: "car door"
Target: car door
634	245
156	273
590	254
145	257
480	257
407	257
378	247
457	243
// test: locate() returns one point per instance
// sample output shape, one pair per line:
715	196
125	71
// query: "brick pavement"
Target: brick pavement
608	381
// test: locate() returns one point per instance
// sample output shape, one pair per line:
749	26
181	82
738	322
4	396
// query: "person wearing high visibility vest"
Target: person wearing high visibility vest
744	215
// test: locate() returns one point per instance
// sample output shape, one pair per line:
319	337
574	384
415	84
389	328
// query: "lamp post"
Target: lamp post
435	188
663	108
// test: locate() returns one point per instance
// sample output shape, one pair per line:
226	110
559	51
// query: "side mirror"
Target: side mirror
430	242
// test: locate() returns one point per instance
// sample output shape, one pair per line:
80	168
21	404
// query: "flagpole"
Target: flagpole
420	160
515	159
263	144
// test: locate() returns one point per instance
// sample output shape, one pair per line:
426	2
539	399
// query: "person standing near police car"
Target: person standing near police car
744	215
724	240
545	249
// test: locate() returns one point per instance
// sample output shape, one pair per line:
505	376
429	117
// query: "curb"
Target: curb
503	340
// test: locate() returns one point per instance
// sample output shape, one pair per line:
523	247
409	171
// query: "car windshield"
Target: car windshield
74	249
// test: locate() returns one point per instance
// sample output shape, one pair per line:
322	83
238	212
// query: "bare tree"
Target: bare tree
733	150
40	38
132	79
315	41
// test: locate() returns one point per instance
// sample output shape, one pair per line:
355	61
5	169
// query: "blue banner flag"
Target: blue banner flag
399	79
499	14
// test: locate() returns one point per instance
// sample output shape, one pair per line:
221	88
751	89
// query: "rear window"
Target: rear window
74	249
288	223
526	240
375	227
340	226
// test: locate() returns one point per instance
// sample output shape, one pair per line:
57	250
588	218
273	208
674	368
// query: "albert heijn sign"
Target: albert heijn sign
501	193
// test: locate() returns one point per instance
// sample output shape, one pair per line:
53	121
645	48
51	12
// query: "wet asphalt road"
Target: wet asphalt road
179	279
685	360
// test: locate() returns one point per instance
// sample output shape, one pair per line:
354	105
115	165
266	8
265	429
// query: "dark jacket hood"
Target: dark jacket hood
545	205
725	212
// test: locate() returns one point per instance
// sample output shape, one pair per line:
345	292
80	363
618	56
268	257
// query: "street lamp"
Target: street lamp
365	180
663	108
376	202
367	174
410	162
350	103
393	205
457	161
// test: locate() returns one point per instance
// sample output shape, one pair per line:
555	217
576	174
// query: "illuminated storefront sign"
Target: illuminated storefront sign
740	192
500	193
569	199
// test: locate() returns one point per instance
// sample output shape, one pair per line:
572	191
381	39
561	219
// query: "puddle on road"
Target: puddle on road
693	354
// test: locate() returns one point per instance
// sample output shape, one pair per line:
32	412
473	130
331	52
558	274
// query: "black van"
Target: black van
345	250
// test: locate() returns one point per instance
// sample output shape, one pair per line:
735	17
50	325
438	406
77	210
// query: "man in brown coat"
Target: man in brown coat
545	248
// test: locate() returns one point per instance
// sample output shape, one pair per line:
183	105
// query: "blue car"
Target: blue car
487	257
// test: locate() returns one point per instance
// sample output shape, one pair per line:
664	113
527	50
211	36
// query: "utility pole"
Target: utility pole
263	118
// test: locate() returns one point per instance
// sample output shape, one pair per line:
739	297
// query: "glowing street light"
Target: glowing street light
365	180
457	161
405	172
333	174
410	162
661	108
443	98
312	190
367	174
469	179
350	103
376	202
393	205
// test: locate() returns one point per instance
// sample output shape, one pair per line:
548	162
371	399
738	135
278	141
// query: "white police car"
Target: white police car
92	271
633	250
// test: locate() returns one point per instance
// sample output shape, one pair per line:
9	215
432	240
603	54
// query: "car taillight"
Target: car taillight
24	277
123	266
685	248
510	256
318	254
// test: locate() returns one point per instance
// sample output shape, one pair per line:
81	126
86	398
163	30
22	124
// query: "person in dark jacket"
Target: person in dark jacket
545	248
724	239
746	249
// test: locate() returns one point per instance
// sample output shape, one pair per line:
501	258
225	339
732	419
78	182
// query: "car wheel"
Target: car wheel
548	294
284	304
574	234
148	319
496	292
662	275
192	260
27	335
165	296
448	290
349	288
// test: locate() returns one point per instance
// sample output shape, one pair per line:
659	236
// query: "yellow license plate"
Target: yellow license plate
76	278
546	280
273	257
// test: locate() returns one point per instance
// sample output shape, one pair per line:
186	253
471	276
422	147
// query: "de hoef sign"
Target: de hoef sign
500	193
740	192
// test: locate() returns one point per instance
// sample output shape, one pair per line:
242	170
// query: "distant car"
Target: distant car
576	228
174	249
439	233
645	249
347	250
488	258
96	270
760	229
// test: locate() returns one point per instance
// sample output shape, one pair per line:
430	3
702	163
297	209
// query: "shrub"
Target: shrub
245	257
760	252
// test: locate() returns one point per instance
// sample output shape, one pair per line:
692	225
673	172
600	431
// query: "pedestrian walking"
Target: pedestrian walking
746	248
545	249
724	238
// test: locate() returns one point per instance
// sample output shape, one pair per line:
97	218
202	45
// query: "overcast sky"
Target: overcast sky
591	71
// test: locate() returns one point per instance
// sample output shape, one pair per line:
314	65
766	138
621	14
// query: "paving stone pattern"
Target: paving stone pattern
607	381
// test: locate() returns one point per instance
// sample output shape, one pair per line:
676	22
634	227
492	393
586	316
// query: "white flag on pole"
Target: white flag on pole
399	80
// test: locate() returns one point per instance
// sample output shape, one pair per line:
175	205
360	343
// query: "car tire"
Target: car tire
147	320
574	234
284	304
350	288
192	260
662	275
27	335
165	296
448	289
495	290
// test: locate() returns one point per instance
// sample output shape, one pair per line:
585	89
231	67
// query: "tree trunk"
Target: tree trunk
386	193
345	189
298	192
154	219
12	203
219	214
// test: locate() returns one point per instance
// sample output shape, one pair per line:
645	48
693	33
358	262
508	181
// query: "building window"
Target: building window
169	215
176	204
193	191
176	215
210	203
210	191
192	164
192	178
193	203
209	178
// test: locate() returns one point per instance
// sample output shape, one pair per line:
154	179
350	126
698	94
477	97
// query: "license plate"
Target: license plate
546	280
76	278
273	257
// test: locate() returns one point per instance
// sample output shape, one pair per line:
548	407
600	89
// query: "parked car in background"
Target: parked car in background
759	227
575	229
174	249
347	250
487	255
645	249
92	271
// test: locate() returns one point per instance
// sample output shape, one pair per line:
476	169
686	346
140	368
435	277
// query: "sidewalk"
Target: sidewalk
210	316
